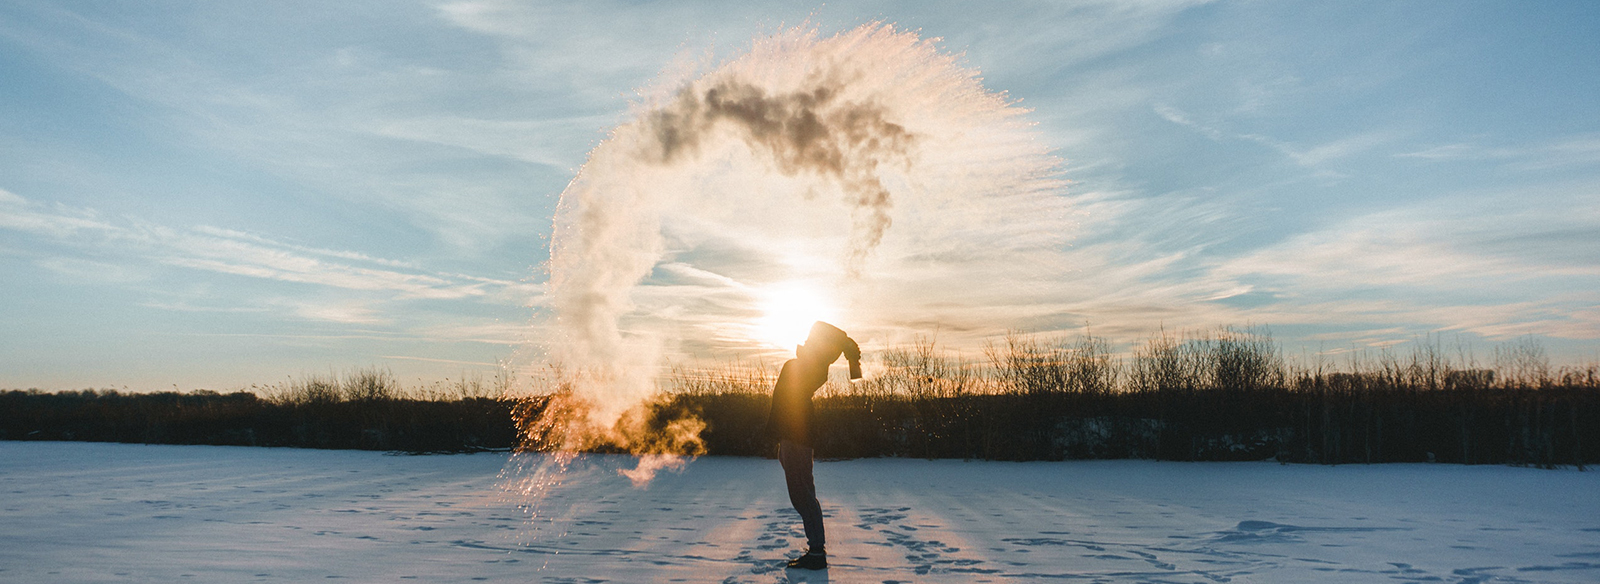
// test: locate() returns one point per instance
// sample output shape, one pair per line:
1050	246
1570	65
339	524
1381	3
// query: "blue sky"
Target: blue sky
209	195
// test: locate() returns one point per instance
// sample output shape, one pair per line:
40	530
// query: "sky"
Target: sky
214	195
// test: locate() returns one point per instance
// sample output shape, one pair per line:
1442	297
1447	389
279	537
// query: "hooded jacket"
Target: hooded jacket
791	415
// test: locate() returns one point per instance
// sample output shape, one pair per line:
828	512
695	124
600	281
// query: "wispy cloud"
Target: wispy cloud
360	123
189	306
60	222
1570	151
481	364
1176	116
346	255
1463	263
344	314
1314	157
230	252
1320	154
94	270
1461	151
458	332
381	177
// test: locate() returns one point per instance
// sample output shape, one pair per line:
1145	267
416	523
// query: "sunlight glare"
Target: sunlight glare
787	312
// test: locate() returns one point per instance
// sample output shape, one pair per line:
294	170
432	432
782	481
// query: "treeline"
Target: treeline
1226	395
364	410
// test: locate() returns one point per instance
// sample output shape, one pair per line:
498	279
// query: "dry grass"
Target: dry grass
373	384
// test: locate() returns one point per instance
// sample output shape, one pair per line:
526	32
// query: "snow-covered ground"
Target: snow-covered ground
78	512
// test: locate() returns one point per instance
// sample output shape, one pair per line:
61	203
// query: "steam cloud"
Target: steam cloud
804	148
807	131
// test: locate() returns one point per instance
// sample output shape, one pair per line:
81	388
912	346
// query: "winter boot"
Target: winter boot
812	560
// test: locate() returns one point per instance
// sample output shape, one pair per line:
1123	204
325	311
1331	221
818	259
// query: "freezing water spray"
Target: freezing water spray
807	150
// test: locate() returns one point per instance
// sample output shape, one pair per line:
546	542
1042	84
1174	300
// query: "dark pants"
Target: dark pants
796	460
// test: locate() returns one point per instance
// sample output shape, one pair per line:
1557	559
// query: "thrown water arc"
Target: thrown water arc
816	146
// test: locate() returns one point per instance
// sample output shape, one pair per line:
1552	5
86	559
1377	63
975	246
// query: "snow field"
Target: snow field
86	512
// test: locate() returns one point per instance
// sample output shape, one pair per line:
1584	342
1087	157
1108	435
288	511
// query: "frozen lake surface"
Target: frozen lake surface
82	512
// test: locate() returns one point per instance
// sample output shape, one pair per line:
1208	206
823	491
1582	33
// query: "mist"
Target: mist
828	162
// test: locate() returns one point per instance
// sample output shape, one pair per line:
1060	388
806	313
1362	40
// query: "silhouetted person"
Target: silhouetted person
791	423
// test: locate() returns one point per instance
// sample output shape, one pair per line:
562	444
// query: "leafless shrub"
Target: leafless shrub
732	378
1523	363
1036	366
369	384
921	371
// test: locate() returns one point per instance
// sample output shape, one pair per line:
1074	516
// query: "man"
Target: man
791	423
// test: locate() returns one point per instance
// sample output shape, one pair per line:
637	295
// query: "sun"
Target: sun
787	312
